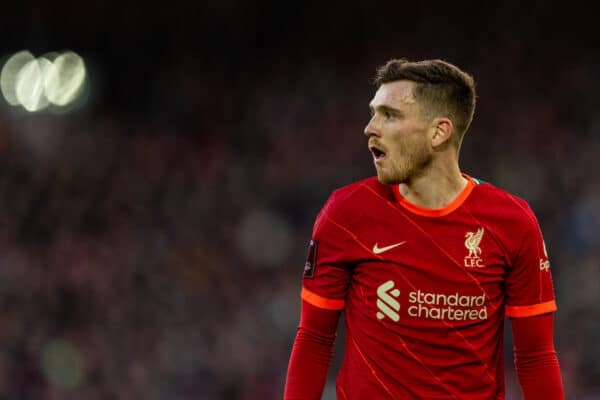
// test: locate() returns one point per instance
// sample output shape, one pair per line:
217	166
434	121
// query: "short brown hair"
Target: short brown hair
443	87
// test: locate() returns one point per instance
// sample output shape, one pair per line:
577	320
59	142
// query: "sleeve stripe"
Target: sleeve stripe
322	302
529	311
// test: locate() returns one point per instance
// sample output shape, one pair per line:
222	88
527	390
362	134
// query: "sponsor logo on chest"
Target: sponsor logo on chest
453	306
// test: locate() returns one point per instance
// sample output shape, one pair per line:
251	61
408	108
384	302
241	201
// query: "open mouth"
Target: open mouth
378	154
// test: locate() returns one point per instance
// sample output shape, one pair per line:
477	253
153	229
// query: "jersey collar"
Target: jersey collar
436	212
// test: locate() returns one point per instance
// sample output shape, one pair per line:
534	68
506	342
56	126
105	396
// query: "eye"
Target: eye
387	114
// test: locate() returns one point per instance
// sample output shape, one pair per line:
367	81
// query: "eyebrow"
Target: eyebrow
384	108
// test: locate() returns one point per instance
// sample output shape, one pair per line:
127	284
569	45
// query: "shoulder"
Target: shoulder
350	192
348	197
350	202
502	204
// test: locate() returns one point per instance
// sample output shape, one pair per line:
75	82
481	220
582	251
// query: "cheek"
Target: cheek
407	145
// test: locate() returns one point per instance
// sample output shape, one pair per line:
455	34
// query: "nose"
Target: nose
371	129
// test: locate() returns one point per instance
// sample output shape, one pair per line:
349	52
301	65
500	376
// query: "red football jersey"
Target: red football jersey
425	291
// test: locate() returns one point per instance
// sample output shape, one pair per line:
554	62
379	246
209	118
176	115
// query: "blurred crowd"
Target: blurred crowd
152	242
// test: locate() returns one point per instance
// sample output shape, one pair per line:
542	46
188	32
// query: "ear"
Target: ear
442	131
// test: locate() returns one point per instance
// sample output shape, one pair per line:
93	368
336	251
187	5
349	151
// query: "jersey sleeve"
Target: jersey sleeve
327	272
529	287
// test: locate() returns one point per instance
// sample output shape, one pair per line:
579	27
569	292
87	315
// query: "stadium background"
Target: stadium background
152	241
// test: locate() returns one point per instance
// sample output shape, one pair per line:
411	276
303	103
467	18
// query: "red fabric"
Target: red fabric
424	317
311	354
535	358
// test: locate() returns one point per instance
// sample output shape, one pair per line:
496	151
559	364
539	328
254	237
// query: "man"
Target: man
425	262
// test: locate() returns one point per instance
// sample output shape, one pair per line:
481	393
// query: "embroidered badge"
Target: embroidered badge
311	260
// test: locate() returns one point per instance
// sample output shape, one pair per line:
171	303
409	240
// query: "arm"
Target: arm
535	358
324	287
530	304
312	353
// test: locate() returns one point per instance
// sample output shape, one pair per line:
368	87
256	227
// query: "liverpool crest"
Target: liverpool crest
473	259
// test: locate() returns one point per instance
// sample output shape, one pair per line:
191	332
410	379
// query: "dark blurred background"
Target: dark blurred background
152	240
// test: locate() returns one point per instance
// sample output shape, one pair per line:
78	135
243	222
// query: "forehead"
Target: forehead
395	94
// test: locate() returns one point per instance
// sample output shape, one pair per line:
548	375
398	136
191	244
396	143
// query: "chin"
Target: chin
388	180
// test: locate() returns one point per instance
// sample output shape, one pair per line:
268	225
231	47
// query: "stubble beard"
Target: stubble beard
407	168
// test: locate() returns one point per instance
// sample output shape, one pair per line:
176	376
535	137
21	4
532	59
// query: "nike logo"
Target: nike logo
379	250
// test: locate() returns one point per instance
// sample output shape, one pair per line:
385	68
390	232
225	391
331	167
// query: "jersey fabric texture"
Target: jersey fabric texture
425	292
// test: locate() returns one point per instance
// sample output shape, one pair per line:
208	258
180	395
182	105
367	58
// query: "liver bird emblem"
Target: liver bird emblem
472	242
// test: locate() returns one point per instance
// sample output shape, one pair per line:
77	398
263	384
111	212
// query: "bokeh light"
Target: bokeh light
29	85
62	364
54	79
65	78
8	76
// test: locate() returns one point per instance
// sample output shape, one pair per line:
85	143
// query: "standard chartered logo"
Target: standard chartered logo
386	301
429	305
453	307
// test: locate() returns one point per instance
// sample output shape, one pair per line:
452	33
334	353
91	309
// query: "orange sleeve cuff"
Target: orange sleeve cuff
321	302
528	311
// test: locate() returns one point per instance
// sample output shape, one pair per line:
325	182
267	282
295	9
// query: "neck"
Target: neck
435	188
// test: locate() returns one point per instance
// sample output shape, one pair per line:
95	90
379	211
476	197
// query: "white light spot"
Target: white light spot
29	85
8	76
64	79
